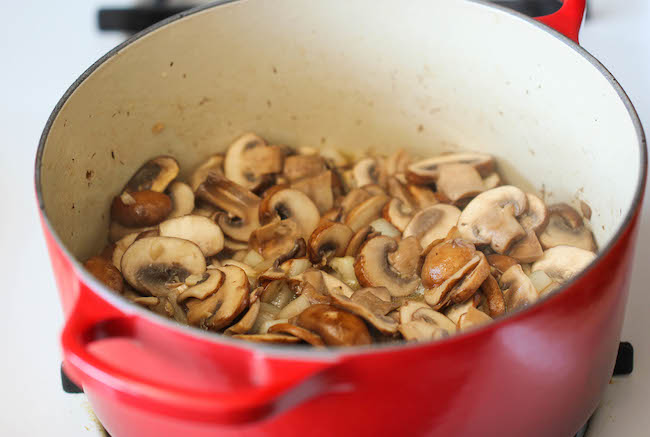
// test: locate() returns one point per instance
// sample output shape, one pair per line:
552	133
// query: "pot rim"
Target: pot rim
334	354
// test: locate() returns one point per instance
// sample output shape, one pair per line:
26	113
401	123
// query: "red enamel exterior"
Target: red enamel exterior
538	373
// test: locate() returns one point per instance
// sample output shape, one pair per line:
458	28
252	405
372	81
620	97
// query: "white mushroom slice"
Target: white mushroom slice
249	159
491	218
250	271
473	318
566	228
519	291
369	171
432	223
220	309
434	317
344	270
301	166
383	227
536	216
562	263
330	239
454	312
354	198
399	191
366	212
373	189
406	259
319	189
213	164
423	197
334	157
419	330
528	249
200	230
419	322
204	289
373	269
428	170
182	199
241	206
245	324
276	238
397	213
459	181
397	163
491	181
234	245
296	331
368	309
120	248
154	175
292	204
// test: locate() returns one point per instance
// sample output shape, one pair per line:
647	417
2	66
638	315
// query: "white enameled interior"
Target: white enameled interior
428	75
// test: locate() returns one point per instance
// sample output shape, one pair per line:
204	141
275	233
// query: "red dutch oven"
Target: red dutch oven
428	75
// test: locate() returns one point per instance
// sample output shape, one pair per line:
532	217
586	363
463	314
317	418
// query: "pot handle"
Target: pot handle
568	19
92	318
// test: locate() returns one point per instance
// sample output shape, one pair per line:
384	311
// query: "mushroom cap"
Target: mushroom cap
561	263
444	260
373	268
459	181
249	159
144	208
105	272
566	228
519	291
150	263
369	171
200	230
182	197
288	203
296	331
428	170
398	213
319	189
536	216
213	164
335	326
301	166
329	239
366	212
432	223
490	218
154	175
495	301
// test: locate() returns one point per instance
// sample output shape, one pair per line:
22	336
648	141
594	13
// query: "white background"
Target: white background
44	46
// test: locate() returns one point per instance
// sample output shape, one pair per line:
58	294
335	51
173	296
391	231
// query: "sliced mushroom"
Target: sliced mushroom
419	322
120	248
397	213
519	291
330	239
490	218
423	197
406	259
182	197
200	230
301	166
500	263
354	198
268	338
249	159
496	304
105	272
292	204
373	189
319	189
373	268
473	318
493	180
214	164
432	223
246	323
528	249
453	312
240	205
335	326
154	175
446	259
276	238
296	331
561	263
369	307
398	162
459	181
364	213
141	208
234	245
213	279
398	190
536	216
369	171
220	309
428	170
566	228
359	238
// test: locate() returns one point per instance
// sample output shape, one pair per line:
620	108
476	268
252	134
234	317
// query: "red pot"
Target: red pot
364	74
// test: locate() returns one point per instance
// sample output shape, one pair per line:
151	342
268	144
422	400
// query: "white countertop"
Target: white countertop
44	46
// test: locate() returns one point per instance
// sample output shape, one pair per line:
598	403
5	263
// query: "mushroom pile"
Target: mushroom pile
271	244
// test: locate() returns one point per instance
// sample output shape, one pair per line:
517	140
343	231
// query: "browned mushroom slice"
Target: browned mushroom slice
358	240
335	326
566	228
120	248
240	205
249	159
200	230
268	338
453	312
423	197
276	238
364	213
397	190
154	175
213	164
536	216
367	304
496	304
182	197
473	318
406	259
419	322
246	323
333	214
491	218
561	263
220	309
428	170
141	208
446	259
302	166
296	331
292	204
354	198
500	263
434	317
105	272
526	250
519	291
319	189
459	181
432	223
209	284
398	213
466	288
373	189
398	162
373	268
419	330
369	171
330	239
